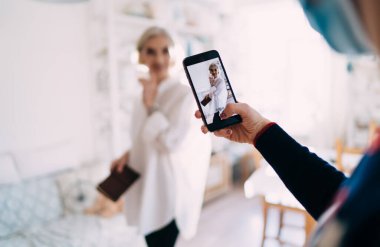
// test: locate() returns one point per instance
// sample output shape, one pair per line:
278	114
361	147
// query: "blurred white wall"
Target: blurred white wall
45	90
277	63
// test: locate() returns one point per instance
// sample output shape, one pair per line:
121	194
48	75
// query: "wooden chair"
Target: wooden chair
342	150
374	129
309	222
282	207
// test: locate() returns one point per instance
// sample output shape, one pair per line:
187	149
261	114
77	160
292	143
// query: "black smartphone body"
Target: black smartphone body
211	88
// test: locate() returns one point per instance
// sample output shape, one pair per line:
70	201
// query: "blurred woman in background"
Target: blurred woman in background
171	156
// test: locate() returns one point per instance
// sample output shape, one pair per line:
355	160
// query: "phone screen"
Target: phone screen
212	89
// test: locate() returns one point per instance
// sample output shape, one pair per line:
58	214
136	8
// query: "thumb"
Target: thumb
234	108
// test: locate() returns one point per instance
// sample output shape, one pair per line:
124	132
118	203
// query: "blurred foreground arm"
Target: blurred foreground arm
311	180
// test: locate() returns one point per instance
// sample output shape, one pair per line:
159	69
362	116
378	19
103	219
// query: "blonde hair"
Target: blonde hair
213	65
151	33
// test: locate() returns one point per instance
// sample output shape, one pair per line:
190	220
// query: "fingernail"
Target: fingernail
223	115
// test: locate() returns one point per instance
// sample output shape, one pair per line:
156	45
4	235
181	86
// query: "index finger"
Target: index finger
204	129
198	114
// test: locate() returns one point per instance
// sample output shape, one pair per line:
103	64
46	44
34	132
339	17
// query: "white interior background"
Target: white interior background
45	77
275	62
283	68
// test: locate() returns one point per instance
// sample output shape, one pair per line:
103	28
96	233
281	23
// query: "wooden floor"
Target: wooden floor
233	221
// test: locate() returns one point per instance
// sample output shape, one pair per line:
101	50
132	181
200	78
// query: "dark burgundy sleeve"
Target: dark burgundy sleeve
310	179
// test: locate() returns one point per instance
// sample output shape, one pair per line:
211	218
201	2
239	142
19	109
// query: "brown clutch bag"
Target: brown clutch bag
117	183
206	100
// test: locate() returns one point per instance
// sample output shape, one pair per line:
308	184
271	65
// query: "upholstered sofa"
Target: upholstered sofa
47	210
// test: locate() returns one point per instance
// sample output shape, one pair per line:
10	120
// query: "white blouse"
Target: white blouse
172	156
218	94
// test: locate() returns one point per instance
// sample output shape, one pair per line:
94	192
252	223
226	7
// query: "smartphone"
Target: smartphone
211	88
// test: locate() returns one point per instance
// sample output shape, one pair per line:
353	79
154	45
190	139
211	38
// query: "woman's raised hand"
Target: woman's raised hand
150	89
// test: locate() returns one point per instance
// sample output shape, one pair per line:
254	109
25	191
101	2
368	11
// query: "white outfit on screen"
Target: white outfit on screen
218	94
172	157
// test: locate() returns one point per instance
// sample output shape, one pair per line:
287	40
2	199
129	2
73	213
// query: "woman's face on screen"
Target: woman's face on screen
214	71
155	55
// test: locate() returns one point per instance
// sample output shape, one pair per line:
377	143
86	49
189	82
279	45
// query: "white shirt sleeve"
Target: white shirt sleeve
221	95
166	132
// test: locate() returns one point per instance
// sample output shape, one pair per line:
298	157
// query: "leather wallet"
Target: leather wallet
206	100
117	183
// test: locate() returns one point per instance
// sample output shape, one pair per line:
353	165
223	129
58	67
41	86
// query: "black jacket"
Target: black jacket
318	186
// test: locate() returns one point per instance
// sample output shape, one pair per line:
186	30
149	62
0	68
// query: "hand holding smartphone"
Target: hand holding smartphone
207	77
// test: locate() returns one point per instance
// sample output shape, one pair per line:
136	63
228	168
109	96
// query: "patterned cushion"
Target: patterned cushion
28	203
78	187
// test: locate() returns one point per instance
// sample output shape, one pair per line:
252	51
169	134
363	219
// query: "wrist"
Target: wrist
262	128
